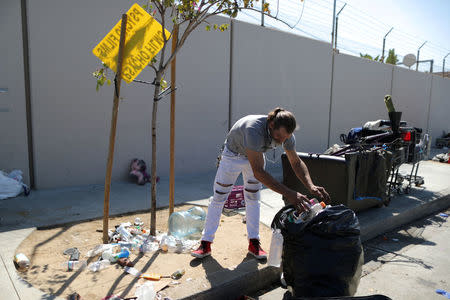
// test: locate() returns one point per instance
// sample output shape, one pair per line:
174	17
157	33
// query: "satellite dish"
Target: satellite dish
409	60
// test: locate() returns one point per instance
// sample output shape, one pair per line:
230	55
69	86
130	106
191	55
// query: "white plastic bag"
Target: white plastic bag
11	184
145	291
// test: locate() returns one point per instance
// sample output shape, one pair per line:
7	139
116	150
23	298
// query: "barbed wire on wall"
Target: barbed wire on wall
358	31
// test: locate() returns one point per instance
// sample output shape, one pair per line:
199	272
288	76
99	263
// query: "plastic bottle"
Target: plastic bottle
168	243
124	252
124	233
276	248
314	210
73	265
99	265
178	274
100	249
149	247
132	246
313	201
133	271
187	224
295	215
109	255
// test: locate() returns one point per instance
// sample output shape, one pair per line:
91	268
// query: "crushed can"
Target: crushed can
21	262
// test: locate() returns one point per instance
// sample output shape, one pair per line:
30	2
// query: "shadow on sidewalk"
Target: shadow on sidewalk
387	248
216	274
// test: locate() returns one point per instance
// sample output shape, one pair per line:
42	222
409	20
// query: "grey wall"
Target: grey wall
273	68
440	107
411	93
13	127
71	121
358	93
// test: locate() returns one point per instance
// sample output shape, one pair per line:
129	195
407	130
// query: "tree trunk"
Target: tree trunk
154	114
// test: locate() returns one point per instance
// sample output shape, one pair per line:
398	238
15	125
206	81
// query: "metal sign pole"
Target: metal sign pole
173	70
112	134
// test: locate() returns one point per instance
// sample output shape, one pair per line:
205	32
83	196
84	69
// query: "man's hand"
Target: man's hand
300	201
320	193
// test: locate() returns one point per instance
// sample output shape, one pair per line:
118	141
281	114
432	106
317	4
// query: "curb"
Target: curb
251	281
374	229
229	284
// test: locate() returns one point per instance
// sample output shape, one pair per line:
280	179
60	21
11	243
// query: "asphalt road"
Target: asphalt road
410	262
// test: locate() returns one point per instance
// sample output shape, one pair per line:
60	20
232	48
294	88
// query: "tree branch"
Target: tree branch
158	5
163	22
266	14
153	67
180	43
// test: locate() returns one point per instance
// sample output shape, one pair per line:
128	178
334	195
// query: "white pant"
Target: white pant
231	165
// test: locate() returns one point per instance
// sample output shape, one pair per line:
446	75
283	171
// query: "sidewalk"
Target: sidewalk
21	215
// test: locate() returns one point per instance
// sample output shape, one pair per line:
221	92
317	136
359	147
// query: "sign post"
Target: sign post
112	134
127	49
173	72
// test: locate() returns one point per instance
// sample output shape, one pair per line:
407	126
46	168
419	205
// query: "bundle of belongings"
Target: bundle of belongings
369	128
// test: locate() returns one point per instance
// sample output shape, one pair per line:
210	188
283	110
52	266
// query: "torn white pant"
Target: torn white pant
231	165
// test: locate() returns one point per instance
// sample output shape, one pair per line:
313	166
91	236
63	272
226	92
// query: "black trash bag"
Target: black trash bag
287	296
324	257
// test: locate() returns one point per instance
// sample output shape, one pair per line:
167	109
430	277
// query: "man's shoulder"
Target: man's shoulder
253	121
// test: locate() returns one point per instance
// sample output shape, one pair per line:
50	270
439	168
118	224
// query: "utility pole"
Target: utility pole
262	13
384	43
418	52
336	31
334	21
431	66
443	65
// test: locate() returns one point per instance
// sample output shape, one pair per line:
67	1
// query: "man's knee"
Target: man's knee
221	190
252	190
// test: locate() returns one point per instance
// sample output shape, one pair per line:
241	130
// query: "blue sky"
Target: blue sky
363	24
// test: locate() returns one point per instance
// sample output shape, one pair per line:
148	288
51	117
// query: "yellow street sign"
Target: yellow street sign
142	42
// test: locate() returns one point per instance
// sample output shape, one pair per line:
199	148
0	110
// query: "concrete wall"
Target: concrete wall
440	107
71	121
13	126
273	68
411	96
358	93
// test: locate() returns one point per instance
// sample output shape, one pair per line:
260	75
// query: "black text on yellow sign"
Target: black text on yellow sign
142	42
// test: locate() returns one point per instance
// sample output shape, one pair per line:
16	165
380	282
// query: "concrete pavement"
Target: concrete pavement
21	215
410	262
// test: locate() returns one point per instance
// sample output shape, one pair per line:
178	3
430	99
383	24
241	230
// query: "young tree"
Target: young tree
185	16
392	57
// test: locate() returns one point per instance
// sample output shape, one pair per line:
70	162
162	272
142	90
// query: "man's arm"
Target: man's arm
256	160
301	170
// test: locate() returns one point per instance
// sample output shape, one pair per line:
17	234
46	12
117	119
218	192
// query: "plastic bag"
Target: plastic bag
11	184
145	291
322	258
101	248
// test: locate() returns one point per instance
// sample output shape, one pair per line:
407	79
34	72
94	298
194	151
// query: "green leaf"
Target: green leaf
108	82
208	27
163	84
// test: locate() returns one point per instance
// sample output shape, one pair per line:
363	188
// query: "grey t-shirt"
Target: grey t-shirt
252	132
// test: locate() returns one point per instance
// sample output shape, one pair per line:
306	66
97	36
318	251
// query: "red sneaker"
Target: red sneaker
203	250
254	248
